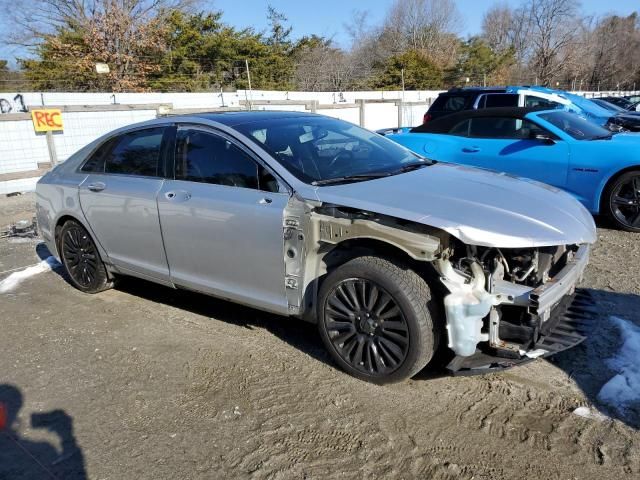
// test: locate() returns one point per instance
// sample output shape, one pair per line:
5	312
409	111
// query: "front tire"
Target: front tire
81	259
376	320
622	201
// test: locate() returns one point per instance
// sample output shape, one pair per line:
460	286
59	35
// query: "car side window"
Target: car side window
502	128
491	100
530	101
136	153
131	153
95	163
209	158
461	129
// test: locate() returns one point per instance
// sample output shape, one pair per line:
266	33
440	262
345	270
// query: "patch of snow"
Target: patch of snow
590	413
13	280
623	390
536	353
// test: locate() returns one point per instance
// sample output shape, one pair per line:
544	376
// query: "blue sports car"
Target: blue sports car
599	167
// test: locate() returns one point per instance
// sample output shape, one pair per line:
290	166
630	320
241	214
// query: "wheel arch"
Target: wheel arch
340	253
64	218
606	183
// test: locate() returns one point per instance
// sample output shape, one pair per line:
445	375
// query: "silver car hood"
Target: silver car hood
477	206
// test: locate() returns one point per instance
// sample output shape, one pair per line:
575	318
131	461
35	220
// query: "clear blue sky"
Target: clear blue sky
326	17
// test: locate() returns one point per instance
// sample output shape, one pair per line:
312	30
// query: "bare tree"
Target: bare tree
553	35
428	26
614	51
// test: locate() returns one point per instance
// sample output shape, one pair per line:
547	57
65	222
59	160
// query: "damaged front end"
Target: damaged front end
509	306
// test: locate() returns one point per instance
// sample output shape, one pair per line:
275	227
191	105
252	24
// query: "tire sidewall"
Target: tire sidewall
625	177
419	340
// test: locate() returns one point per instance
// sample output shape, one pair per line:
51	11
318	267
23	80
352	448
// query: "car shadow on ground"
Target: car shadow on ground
586	364
297	333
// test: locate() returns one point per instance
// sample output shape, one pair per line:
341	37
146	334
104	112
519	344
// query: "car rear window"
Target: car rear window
449	103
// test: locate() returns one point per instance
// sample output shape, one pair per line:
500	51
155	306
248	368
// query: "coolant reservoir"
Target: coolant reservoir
465	307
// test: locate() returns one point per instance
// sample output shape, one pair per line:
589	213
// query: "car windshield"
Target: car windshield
320	150
576	126
609	106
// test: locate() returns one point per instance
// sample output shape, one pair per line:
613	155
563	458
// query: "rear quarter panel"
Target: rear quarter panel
57	196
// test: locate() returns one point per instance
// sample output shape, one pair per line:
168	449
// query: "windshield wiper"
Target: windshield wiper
604	137
346	178
412	166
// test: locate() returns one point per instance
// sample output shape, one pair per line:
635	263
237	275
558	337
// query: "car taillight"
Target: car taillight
426	118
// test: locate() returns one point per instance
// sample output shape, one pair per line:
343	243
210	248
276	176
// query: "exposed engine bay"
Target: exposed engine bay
495	295
501	302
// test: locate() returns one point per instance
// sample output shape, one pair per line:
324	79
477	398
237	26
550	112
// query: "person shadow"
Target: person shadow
21	458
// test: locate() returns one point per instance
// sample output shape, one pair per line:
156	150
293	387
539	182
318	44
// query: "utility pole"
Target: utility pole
484	79
402	77
246	62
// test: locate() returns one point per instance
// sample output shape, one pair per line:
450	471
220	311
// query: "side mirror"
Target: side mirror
543	137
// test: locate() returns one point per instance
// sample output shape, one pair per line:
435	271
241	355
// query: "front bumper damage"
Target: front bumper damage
557	317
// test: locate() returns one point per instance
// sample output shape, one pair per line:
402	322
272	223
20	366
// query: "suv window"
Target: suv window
501	127
492	100
208	158
530	101
449	103
132	153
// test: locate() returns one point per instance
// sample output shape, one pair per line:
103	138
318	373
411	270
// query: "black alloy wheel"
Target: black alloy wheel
377	319
81	259
624	202
366	327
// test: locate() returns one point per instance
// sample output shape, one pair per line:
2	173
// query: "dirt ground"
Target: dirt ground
147	382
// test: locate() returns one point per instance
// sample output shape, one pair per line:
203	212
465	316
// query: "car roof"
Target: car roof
446	123
473	90
231	119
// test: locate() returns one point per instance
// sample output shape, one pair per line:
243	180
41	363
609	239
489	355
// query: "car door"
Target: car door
222	221
508	144
118	199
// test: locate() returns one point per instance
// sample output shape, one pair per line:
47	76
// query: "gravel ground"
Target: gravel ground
146	382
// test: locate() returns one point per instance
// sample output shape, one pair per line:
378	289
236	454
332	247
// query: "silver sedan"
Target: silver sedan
316	218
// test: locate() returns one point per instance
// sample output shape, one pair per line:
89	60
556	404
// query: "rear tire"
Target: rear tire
622	201
377	320
81	259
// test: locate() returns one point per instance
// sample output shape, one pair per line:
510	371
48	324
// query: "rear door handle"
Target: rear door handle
471	149
265	201
96	186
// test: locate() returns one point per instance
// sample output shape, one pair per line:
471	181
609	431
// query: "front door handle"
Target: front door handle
96	186
265	201
471	149
177	196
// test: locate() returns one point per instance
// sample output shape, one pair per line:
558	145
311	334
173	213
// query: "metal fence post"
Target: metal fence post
361	105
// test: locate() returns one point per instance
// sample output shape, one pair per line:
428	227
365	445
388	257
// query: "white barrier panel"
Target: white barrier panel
350	114
20	148
380	115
